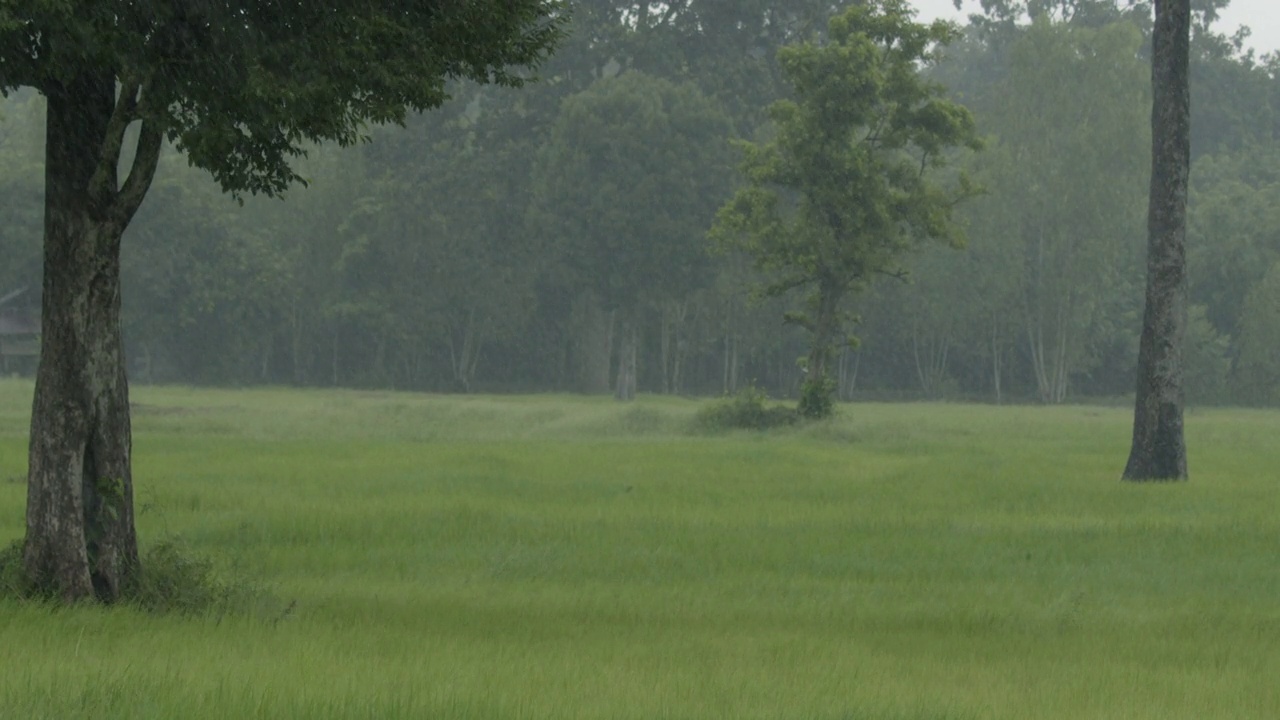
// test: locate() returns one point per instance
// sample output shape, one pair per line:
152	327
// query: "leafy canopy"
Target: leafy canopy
241	85
849	180
630	179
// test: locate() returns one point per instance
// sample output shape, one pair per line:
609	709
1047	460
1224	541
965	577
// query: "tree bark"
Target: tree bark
80	536
1159	449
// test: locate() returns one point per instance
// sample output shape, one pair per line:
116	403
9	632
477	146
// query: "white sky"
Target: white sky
1262	17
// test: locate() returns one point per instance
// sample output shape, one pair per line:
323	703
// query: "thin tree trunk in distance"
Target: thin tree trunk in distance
1159	448
626	380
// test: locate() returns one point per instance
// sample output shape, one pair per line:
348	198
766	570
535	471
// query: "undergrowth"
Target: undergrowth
748	409
171	579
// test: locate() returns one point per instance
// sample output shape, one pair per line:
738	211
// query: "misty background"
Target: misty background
490	246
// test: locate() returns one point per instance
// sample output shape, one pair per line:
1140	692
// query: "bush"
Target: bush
817	398
749	409
171	580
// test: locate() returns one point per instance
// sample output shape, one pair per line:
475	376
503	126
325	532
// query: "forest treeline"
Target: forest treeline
530	240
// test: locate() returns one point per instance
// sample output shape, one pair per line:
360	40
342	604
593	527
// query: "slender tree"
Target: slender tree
239	86
1159	449
852	178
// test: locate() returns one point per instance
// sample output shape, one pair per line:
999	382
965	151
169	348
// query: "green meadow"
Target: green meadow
565	557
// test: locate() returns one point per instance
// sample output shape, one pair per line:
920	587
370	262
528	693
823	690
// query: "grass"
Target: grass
567	557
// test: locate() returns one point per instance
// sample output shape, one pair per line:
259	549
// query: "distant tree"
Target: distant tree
854	176
1159	449
1233	230
239	87
1071	109
1257	371
626	187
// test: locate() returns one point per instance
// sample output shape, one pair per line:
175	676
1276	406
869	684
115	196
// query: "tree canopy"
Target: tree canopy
240	85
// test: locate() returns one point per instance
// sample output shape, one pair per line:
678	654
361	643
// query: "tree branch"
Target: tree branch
102	186
898	274
145	160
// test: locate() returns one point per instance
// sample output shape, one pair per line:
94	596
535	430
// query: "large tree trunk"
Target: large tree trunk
80	540
1159	450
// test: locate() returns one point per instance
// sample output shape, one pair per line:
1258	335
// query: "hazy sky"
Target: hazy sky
1262	16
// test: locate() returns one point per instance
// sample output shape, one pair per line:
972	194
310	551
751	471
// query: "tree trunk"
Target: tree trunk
816	389
593	348
664	350
930	355
672	345
626	381
995	358
848	378
81	541
1159	449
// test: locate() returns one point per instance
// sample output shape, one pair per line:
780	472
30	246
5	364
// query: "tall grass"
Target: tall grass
567	557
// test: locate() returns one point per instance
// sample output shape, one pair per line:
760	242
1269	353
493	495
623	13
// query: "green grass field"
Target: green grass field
565	557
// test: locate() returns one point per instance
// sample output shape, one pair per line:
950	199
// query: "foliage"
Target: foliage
1257	369
238	87
817	398
1206	360
1233	233
747	409
628	181
374	275
1072	110
850	180
623	191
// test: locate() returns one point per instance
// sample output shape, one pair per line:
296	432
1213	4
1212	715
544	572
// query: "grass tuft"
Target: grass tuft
173	578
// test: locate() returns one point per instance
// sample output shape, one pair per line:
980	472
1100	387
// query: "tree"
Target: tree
627	185
1233	230
238	86
1257	371
850	181
458	194
1069	111
1159	449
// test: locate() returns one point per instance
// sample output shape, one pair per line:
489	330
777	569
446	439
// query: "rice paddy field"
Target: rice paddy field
564	557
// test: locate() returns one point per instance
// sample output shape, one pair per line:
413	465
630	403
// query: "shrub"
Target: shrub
817	398
749	409
173	579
